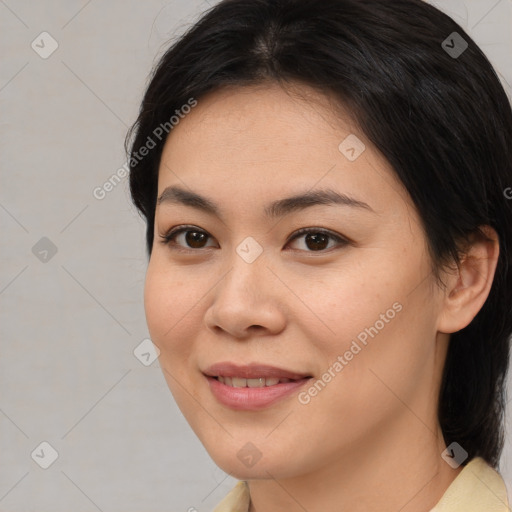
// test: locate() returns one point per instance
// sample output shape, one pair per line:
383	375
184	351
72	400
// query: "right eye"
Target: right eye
193	237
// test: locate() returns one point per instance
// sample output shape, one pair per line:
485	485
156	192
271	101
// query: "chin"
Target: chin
238	470
247	462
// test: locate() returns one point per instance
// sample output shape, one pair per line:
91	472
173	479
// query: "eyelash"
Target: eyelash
168	238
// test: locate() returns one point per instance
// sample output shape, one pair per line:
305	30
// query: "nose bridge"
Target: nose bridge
247	266
249	250
243	297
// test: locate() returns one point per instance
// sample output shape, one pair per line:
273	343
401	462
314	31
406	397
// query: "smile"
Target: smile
254	394
260	382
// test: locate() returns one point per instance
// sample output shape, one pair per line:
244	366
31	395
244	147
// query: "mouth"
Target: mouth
252	372
259	382
254	386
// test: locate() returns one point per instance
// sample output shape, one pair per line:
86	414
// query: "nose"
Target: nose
247	301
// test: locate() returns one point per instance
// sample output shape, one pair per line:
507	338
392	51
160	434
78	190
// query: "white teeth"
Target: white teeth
256	383
261	382
237	382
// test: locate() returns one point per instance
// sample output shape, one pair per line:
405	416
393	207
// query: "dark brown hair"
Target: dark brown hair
442	120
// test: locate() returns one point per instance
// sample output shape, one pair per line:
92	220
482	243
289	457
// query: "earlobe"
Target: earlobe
468	287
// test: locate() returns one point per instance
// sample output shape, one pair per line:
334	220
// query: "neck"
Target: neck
408	475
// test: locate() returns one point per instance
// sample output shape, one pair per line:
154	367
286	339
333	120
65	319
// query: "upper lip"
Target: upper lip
252	371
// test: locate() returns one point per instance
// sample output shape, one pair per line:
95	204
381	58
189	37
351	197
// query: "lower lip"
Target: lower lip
252	399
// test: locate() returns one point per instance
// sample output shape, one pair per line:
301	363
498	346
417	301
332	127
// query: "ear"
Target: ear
468	287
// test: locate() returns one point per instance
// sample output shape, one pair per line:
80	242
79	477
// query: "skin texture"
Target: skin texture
370	440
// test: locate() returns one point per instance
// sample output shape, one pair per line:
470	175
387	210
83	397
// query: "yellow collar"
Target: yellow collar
477	488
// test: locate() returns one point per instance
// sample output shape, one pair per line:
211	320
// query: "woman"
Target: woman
329	279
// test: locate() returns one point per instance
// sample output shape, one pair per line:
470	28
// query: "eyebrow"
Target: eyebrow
279	208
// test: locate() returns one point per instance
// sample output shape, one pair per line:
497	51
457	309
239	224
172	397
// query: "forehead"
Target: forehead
244	143
265	111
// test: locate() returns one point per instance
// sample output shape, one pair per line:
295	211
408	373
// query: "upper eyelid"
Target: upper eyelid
178	230
185	228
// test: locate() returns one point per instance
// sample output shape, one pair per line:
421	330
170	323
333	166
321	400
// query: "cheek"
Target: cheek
169	301
156	303
371	319
342	303
169	292
172	322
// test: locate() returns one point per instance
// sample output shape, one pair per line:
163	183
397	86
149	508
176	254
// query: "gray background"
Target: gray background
70	321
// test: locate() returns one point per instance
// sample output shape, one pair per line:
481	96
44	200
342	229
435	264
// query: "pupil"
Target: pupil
192	240
315	239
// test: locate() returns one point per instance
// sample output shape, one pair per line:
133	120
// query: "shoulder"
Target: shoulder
478	487
237	500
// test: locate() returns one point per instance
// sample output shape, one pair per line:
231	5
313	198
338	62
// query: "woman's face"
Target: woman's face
346	311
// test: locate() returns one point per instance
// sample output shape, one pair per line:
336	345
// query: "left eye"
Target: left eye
316	239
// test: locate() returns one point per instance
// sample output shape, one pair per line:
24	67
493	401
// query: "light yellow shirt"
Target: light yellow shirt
477	488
